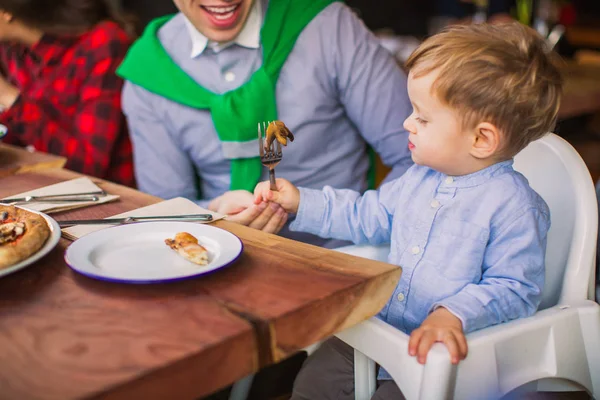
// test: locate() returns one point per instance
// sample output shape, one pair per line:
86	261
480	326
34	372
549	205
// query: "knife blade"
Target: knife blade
57	198
128	220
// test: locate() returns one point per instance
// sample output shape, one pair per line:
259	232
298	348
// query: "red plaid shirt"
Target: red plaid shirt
70	101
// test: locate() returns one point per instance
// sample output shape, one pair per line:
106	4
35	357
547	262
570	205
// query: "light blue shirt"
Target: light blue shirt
338	91
474	244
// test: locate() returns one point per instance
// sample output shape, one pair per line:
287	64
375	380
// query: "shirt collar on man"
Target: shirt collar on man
248	37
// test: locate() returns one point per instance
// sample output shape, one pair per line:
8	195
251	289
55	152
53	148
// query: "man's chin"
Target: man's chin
220	35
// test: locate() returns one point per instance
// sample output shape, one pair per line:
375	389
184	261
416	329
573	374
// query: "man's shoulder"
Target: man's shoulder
335	15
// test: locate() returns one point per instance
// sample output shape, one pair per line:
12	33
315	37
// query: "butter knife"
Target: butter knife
128	220
57	198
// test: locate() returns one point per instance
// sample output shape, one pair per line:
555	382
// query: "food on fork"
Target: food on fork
278	131
22	233
186	245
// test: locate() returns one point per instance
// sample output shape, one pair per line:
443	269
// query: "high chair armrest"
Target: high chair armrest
518	351
388	347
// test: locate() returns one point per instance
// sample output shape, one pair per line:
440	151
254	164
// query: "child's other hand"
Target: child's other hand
287	195
440	326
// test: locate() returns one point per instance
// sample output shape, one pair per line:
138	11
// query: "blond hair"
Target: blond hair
501	74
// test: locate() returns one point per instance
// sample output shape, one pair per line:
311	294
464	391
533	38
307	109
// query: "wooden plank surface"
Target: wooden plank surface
297	294
66	336
16	160
293	294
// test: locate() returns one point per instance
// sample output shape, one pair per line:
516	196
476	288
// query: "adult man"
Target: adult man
199	82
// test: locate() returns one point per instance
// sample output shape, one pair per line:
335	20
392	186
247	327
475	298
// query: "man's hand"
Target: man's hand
232	202
440	326
287	195
8	93
239	207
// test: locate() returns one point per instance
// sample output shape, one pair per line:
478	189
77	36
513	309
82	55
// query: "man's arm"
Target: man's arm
162	168
512	279
373	90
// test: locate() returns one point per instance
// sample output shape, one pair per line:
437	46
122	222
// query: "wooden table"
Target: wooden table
16	160
68	336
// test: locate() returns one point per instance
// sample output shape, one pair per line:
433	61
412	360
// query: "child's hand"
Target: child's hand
287	195
440	326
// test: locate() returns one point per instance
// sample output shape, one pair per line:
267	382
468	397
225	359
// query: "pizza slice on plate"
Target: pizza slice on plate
187	246
22	233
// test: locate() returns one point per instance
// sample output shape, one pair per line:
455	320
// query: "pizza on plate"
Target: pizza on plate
22	233
187	246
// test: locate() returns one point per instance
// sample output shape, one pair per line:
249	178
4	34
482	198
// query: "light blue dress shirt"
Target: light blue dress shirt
474	244
338	91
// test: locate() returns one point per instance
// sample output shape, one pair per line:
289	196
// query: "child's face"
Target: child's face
437	139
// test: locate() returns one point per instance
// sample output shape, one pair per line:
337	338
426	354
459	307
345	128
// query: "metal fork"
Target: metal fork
270	156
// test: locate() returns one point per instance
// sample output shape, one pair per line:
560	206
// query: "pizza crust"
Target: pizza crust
20	247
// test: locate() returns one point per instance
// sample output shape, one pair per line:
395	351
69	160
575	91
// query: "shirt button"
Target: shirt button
434	203
416	250
449	180
400	297
229	76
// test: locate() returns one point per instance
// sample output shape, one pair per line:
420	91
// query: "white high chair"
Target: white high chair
556	349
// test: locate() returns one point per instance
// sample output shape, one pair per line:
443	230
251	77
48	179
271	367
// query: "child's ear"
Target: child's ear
486	140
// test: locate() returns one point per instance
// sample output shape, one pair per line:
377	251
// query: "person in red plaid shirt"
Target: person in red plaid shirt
58	87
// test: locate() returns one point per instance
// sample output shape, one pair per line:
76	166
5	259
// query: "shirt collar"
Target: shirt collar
248	37
479	177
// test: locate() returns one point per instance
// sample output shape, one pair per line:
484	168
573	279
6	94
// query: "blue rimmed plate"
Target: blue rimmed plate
137	253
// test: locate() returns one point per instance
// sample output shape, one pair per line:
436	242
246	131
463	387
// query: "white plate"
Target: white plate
137	253
3	130
46	248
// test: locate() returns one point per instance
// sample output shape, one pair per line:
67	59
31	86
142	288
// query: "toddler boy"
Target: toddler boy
466	228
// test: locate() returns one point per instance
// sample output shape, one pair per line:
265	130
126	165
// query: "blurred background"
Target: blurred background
572	28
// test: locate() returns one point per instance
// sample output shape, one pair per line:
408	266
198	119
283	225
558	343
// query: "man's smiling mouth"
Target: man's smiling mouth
221	12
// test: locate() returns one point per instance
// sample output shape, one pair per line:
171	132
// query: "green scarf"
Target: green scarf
236	113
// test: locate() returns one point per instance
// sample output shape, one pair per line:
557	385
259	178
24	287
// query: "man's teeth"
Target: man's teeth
223	16
221	10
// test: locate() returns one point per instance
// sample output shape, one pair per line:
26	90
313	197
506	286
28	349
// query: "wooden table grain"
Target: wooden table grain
125	341
15	160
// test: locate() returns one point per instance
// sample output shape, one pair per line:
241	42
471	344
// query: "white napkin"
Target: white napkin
176	206
73	186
